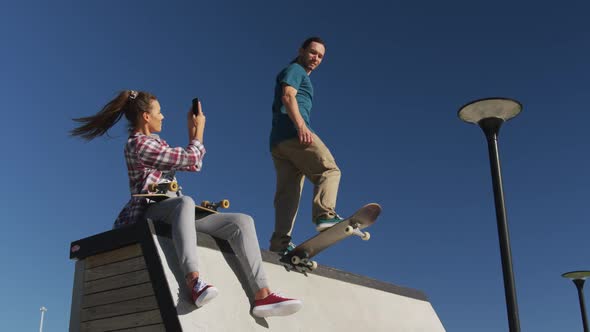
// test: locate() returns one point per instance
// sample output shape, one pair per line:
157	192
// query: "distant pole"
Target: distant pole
579	277
43	309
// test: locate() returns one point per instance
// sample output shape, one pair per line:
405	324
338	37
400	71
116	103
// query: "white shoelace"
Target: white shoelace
200	285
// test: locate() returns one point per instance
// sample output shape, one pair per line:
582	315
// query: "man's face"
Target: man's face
311	57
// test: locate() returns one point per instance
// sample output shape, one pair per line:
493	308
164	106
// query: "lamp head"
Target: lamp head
577	275
497	107
490	113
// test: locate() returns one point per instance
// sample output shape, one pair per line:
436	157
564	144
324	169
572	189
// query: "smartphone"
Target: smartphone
196	106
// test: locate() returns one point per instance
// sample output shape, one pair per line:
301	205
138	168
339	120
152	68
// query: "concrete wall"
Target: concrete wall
333	300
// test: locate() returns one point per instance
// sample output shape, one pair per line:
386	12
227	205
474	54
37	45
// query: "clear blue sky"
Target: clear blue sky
387	95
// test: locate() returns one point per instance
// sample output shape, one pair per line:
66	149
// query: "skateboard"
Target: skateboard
206	206
300	257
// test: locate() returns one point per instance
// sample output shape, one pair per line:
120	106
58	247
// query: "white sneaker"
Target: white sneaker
203	293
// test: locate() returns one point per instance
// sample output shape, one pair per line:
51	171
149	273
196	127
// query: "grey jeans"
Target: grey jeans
236	228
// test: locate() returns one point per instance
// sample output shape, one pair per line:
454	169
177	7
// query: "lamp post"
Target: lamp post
489	114
579	277
43	310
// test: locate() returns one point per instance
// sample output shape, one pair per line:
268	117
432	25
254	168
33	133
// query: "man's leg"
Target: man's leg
318	165
288	193
325	175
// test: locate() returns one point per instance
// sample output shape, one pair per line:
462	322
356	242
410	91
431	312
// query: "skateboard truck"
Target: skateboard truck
306	262
163	187
299	262
224	204
354	229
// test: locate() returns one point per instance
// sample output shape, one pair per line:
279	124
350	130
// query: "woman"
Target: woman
151	160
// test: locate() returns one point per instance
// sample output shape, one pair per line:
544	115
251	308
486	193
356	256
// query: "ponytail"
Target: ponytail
128	102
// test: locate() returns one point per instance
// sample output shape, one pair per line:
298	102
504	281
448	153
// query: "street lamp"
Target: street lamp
489	114
43	310
579	277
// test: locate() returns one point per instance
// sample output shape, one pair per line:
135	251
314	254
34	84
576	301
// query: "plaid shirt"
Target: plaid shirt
151	160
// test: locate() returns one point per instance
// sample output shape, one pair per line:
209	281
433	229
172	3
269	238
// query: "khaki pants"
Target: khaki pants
293	162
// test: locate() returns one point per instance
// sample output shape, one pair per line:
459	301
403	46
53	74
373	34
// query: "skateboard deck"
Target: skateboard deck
300	257
206	206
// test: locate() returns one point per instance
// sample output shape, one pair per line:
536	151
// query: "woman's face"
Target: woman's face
154	117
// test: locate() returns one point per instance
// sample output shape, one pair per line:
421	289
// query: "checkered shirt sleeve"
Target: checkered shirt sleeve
157	154
147	158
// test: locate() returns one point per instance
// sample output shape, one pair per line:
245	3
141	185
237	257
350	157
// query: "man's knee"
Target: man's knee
331	170
335	170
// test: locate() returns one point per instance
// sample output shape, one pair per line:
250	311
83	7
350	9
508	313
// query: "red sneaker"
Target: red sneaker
203	293
276	305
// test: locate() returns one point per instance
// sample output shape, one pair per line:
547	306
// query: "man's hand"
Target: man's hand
305	135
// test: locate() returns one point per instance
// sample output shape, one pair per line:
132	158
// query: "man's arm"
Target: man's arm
292	108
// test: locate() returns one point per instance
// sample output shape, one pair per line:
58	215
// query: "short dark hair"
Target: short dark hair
311	40
306	45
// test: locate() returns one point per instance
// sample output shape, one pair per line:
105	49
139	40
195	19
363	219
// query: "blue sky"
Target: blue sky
387	95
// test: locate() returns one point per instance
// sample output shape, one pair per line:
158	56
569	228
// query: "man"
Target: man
297	152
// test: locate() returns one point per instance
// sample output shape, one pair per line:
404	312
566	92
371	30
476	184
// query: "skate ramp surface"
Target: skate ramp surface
334	300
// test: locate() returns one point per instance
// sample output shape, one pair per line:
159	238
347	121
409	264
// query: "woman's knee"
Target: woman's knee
186	202
243	221
185	209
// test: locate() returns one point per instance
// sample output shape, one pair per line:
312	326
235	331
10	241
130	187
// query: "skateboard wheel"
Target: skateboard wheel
205	204
295	260
366	236
313	265
224	203
153	187
348	230
173	186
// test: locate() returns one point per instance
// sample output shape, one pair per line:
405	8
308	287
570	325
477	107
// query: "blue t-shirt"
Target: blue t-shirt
283	128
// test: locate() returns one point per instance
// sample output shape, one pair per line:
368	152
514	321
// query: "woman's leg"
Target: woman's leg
179	212
238	229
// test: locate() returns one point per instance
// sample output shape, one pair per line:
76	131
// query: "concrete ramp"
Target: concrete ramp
128	280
